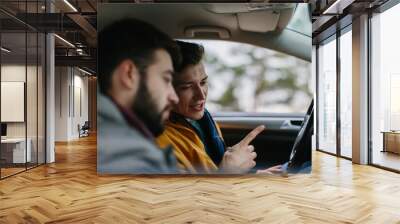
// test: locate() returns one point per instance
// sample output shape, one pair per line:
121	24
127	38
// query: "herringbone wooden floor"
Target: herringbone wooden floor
70	191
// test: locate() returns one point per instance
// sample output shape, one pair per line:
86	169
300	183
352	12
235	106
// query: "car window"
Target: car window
247	78
301	20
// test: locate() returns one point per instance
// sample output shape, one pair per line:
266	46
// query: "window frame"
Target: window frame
347	27
378	10
27	29
338	27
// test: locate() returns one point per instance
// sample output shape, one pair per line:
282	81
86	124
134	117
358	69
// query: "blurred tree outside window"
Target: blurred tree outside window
246	78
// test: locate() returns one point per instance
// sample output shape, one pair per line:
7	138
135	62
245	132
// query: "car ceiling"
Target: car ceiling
260	24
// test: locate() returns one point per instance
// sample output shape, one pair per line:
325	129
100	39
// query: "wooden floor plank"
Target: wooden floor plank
70	191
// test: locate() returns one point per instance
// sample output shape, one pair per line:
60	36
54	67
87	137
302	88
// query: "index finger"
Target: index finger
252	135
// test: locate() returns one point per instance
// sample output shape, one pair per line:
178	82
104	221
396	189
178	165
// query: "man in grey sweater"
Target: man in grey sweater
136	62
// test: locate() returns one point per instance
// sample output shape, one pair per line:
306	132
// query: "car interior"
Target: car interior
283	27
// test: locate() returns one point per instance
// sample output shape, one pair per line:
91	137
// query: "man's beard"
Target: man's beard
146	109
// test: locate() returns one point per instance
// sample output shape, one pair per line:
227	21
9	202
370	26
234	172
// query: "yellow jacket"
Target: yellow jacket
188	148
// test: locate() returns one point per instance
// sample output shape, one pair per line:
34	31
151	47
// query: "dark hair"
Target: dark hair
131	39
191	54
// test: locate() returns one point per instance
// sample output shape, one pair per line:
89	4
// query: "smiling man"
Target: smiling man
195	137
136	66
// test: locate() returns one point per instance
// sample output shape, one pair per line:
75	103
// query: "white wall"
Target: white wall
12	73
33	126
71	94
61	103
17	73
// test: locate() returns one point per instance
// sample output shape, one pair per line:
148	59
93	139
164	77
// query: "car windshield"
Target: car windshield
301	21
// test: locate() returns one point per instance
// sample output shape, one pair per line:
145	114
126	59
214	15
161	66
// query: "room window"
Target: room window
346	93
385	87
327	96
